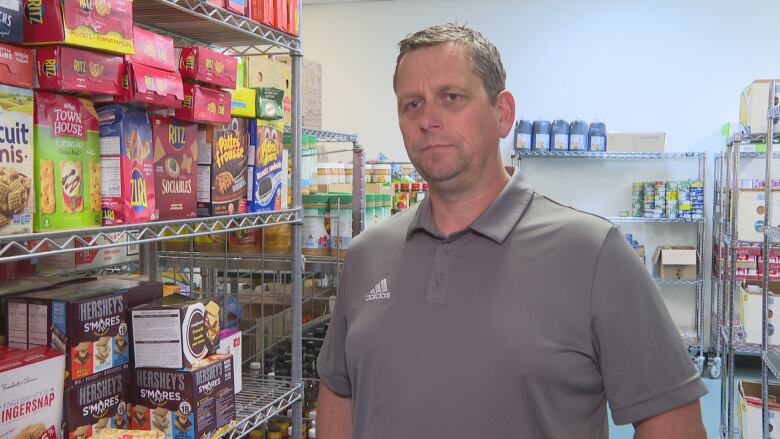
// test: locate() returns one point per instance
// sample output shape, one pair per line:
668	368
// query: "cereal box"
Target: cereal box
153	50
126	166
67	163
17	201
175	167
31	400
16	66
95	403
205	105
106	25
207	66
154	87
193	403
67	69
11	21
270	177
225	172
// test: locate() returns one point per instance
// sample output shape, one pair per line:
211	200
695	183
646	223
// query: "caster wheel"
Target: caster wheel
700	364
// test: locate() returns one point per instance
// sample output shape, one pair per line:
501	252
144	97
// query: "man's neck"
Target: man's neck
454	211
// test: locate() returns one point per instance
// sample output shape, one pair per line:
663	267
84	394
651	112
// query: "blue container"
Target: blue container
578	135
541	131
523	134
560	135
597	136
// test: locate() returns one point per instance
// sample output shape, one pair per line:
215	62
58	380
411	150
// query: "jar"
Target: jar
341	222
284	423
324	173
408	170
369	173
316	213
255	369
387	206
413	195
401	201
277	239
213	243
348	174
248	242
371	211
341	173
258	433
274	432
383	173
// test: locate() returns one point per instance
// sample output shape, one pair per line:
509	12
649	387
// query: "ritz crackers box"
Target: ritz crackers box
154	87
68	69
96	402
175	146
207	66
205	105
17	201
153	50
16	66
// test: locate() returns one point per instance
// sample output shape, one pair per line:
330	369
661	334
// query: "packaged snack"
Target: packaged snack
105	25
224	157
89	259
126	165
67	163
237	6
153	87
17	201
175	167
207	66
270	180
230	343
11	21
96	403
262	11
205	105
243	102
153	50
67	69
281	17
16	65
114	433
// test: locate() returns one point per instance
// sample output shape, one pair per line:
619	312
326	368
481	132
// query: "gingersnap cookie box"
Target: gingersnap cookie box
127	166
225	171
67	163
174	332
95	403
175	146
68	69
32	408
192	403
17	200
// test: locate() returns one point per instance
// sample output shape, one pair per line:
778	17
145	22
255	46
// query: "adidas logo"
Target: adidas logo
379	292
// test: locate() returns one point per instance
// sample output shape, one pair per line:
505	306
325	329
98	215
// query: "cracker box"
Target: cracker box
89	259
16	66
281	17
68	69
11	21
175	167
207	66
175	331
230	343
154	87
193	403
262	11
205	105
243	102
224	172
270	177
106	25
17	201
237	6
88	321
153	50
126	165
67	163
95	403
31	400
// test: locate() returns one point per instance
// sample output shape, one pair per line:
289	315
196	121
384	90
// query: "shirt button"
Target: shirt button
439	278
447	247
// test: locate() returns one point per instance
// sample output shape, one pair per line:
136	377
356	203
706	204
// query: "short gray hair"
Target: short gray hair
485	57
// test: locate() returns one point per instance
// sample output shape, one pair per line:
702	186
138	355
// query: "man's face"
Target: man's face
450	128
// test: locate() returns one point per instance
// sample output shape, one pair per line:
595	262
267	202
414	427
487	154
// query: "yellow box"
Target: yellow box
243	103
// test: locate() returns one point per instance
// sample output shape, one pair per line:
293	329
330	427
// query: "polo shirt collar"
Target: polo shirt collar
495	223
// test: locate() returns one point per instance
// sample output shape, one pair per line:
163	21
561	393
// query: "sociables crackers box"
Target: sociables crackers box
17	201
270	179
95	403
67	163
207	66
126	165
16	66
106	25
175	167
225	171
195	403
153	50
205	105
153	87
67	69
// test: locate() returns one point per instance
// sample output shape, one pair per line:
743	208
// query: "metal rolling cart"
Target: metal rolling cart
693	337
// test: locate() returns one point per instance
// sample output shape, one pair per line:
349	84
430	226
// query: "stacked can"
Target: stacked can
660	199
649	199
697	200
684	200
637	199
671	209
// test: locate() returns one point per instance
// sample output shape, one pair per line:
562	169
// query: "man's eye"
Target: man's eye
453	96
413	105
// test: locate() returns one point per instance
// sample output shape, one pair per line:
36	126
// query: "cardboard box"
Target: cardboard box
676	262
106	25
262	11
207	66
175	167
67	69
750	309
126	166
750	222
749	411
636	142
67	163
153	50
95	403
271	80
754	105
237	6
222	169
11	21
205	105
243	102
311	93
175	331
154	87
230	343
89	259
17	202
16	65
270	179
196	403
34	406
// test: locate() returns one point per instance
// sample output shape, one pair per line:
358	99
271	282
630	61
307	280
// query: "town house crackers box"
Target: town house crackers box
226	147
195	403
17	202
68	69
127	166
96	402
67	163
175	167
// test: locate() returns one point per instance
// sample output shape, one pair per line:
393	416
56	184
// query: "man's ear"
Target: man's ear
506	111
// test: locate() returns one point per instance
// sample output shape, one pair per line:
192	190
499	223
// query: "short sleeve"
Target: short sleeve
645	366
332	361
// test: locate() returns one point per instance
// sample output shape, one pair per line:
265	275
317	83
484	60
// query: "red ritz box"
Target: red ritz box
207	66
153	50
262	11
154	87
205	105
16	66
62	68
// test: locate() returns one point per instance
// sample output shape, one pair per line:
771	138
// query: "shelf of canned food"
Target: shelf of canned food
668	201
606	155
260	400
19	247
237	261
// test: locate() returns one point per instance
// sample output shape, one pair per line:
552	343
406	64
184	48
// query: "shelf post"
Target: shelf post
358	188
766	253
297	243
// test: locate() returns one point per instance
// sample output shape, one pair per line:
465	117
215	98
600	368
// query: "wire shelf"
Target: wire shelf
774	113
43	244
260	400
639	219
773	232
327	136
606	155
772	360
750	138
678	282
235	261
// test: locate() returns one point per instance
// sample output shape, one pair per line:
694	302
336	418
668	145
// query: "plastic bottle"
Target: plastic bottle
523	134
597	136
541	131
560	135
578	135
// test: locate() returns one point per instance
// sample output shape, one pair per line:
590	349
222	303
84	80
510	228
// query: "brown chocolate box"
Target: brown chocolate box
96	402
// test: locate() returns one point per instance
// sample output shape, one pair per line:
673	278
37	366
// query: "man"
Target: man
491	311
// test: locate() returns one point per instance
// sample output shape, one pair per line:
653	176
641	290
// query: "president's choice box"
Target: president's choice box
750	410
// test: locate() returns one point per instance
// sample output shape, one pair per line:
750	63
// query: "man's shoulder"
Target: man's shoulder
566	223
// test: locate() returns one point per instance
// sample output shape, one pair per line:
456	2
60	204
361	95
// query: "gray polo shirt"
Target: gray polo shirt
524	325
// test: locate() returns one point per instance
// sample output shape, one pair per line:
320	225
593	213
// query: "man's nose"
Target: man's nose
431	119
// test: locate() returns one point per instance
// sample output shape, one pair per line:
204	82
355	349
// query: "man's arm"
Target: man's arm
334	415
680	423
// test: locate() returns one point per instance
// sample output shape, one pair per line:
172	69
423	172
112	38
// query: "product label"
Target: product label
542	142
577	142
315	234
523	141
157	335
598	143
561	142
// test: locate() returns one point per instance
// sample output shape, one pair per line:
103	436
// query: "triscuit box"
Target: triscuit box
750	223
175	331
749	411
750	309
68	69
676	262
11	21
17	201
230	343
754	105
33	406
175	165
17	66
270	180
95	403
192	403
224	171
205	105
153	50
636	142
67	163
